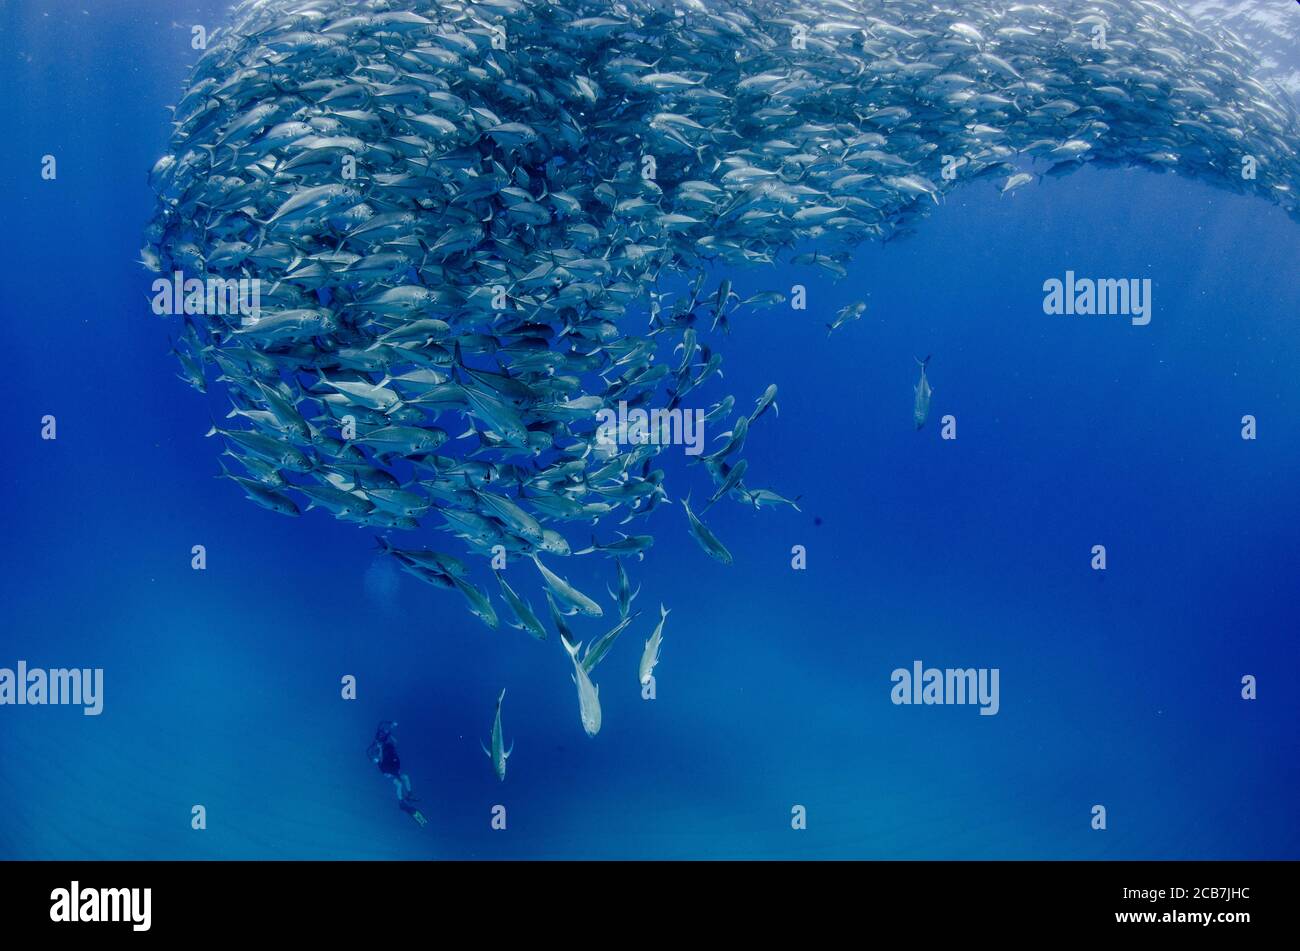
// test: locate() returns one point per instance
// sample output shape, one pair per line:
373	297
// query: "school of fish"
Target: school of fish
477	224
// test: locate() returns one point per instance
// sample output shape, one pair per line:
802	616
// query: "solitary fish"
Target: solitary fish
498	754
707	540
588	693
921	408
650	656
845	314
624	597
1016	180
763	403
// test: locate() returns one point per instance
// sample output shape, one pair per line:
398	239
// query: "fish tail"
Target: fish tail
923	363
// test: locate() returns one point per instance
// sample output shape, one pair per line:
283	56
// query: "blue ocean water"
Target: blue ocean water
1120	688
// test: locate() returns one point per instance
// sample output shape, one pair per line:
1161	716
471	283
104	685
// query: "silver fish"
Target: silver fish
922	393
650	655
588	693
498	754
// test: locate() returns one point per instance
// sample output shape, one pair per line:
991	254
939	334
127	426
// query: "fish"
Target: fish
522	610
264	495
557	618
566	592
285	455
502	258
922	393
597	650
1017	180
705	538
480	605
498	754
624	597
626	545
765	402
766	497
650	655
845	314
425	558
510	514
729	483
588	693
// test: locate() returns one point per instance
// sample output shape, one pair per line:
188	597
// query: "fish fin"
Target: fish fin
485	750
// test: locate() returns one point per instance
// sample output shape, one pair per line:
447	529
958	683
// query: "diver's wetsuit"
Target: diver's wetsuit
389	764
383	753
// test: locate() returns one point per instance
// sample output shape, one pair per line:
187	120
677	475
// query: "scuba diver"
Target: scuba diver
383	753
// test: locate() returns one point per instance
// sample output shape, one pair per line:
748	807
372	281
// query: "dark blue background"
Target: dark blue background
1120	688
